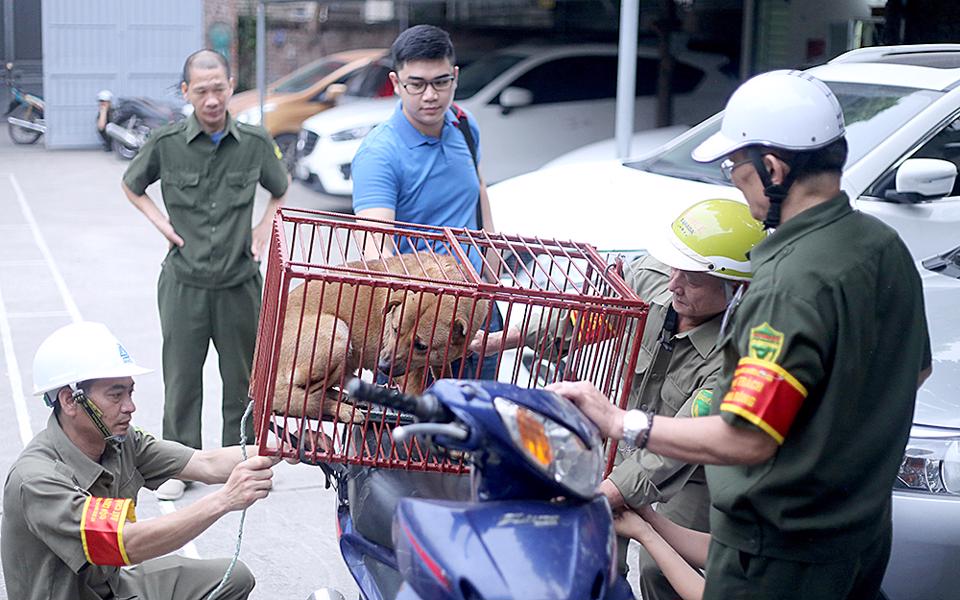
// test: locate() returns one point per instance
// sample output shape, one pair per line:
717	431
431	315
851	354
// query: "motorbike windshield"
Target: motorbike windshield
871	114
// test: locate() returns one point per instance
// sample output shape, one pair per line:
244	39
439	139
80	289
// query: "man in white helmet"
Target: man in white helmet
105	115
693	271
69	521
815	408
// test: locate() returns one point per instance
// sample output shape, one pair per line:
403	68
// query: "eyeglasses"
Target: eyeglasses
727	167
419	86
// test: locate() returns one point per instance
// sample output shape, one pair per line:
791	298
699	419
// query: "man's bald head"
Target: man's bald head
204	59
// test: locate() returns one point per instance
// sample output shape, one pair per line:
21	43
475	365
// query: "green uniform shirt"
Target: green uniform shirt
836	308
208	190
43	498
677	382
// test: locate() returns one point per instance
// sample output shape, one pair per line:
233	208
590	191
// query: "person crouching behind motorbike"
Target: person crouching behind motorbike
104	116
69	521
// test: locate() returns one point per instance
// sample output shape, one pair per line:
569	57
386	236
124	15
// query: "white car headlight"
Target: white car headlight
252	116
354	133
931	464
553	448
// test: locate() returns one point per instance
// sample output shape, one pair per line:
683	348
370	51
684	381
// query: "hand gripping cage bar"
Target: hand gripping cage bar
585	312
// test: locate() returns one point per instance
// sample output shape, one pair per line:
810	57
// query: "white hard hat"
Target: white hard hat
104	96
791	110
79	352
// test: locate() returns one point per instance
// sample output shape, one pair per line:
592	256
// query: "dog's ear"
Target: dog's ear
460	327
395	300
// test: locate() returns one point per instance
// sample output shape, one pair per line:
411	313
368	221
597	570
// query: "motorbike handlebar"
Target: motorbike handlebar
425	407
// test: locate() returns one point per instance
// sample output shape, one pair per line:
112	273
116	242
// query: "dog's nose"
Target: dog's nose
384	366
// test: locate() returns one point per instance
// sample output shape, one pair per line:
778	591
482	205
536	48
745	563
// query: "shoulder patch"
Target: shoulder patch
701	403
765	343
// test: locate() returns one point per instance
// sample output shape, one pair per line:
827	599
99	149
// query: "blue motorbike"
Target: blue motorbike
525	523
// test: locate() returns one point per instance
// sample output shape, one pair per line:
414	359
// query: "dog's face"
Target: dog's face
422	329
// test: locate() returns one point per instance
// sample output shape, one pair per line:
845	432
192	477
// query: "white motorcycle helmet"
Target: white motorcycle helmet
104	96
779	110
80	352
791	110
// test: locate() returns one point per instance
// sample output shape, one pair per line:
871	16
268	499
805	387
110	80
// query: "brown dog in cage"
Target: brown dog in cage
332	329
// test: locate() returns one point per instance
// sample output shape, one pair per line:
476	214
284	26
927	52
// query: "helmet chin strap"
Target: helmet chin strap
95	414
775	192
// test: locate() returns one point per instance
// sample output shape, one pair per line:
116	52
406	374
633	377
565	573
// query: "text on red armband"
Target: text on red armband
101	529
765	394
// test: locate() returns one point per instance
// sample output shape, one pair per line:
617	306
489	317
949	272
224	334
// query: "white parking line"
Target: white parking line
13	373
167	507
68	302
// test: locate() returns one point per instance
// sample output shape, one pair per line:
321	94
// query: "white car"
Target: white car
902	110
532	104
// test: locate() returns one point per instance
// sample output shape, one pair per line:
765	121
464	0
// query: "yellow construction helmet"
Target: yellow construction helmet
712	236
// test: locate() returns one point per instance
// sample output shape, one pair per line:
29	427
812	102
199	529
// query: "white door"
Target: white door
131	47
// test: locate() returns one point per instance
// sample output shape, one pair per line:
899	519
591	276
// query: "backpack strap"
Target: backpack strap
463	124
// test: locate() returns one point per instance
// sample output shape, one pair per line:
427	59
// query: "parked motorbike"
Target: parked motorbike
24	115
525	523
132	121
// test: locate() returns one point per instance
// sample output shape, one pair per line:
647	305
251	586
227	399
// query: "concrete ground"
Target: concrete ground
72	247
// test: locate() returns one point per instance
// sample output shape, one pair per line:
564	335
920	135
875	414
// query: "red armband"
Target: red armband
593	328
765	394
101	529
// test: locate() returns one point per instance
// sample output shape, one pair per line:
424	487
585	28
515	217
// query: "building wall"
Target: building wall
220	28
794	34
131	47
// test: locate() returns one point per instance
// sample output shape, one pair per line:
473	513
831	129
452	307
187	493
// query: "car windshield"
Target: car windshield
309	75
871	113
481	72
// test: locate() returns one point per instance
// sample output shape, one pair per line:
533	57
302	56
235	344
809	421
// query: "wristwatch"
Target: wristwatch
636	429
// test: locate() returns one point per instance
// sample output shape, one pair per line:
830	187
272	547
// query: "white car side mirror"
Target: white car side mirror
515	97
923	179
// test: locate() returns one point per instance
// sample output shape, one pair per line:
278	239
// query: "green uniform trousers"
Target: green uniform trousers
736	575
179	578
189	318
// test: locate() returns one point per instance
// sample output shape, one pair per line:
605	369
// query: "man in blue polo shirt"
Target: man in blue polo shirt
418	166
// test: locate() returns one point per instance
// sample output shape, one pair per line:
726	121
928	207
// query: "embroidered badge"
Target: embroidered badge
701	403
765	343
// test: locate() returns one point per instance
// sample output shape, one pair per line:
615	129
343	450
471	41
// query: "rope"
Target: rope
243	515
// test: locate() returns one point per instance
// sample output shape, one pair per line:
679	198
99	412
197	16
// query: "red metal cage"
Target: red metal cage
399	304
